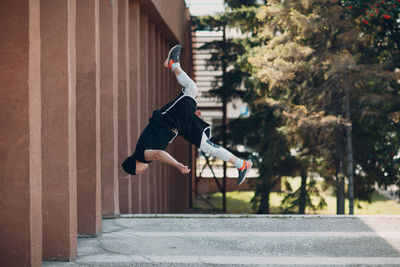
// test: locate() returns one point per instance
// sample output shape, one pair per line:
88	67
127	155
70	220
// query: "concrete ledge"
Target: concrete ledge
237	240
251	216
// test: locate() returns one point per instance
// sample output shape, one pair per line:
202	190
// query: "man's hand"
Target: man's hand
163	156
183	169
198	113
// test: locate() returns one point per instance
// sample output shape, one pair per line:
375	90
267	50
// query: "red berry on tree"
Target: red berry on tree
376	11
386	16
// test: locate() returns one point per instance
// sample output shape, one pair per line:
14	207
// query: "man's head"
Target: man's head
132	166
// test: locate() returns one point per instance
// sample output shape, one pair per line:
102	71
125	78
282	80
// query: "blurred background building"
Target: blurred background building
212	107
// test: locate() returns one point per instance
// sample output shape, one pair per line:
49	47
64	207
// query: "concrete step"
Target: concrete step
236	240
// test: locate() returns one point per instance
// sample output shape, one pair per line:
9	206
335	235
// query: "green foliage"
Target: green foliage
273	156
296	60
291	202
380	19
239	202
225	53
314	51
241	3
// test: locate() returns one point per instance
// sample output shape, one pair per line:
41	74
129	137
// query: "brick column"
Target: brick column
144	107
135	66
123	106
58	128
88	117
20	121
109	181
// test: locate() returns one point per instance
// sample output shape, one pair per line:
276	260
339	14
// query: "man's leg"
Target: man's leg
243	166
172	62
190	87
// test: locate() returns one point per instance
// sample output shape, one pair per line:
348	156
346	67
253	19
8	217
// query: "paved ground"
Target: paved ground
212	240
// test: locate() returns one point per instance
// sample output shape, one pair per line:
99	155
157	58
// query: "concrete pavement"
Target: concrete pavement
237	240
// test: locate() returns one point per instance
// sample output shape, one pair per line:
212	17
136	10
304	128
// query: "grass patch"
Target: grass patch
239	203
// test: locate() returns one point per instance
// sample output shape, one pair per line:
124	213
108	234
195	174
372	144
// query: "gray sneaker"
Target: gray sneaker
173	56
244	171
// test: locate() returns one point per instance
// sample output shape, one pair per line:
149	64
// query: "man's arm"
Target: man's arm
165	157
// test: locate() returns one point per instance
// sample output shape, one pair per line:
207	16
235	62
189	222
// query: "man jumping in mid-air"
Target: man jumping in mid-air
178	117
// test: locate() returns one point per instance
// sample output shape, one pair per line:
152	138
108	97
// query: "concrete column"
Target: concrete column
88	117
192	148
180	184
159	104
58	128
109	181
153	94
123	105
20	135
163	100
144	107
163	166
117	165
135	66
192	186
170	148
166	97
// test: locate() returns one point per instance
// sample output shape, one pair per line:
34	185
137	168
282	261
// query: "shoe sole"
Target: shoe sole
169	54
247	172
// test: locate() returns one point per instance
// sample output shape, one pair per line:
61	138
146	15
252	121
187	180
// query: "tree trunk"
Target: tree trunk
264	200
224	117
303	191
340	196
264	203
349	146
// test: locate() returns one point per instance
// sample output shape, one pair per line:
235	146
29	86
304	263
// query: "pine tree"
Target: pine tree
313	53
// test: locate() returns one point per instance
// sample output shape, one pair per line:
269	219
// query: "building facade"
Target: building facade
79	80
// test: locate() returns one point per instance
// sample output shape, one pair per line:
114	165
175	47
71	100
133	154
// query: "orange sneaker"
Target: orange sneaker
173	56
244	171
